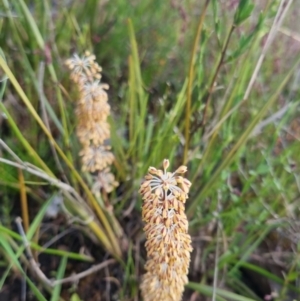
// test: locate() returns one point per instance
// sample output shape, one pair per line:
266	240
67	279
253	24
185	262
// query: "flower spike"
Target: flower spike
168	243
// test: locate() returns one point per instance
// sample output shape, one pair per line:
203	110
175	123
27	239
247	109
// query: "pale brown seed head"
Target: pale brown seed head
96	158
104	180
168	244
93	129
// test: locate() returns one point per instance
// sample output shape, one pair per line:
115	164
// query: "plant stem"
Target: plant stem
207	97
190	82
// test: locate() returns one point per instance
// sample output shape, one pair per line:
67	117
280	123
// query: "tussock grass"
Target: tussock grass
213	86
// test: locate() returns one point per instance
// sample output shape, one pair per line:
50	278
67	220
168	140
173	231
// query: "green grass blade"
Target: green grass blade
208	291
7	248
31	151
60	275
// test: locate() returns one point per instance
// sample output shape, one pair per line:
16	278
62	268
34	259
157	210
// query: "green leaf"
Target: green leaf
243	12
245	41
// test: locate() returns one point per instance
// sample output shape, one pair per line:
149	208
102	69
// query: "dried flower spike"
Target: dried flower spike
92	111
168	243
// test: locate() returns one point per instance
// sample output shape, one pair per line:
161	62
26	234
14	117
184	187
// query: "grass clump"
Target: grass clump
213	86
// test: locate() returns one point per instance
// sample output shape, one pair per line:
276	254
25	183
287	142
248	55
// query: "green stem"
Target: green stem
190	82
207	98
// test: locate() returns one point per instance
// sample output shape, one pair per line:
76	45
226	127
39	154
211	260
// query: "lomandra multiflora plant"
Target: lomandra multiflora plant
93	130
168	243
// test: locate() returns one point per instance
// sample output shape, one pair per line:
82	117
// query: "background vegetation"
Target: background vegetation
210	84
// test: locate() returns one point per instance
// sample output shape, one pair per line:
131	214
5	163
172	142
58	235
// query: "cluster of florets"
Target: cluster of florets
92	111
168	243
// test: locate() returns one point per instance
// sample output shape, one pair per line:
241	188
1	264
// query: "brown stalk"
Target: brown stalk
24	203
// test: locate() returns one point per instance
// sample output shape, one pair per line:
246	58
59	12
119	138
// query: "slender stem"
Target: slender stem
46	120
23	197
85	273
190	83
207	97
